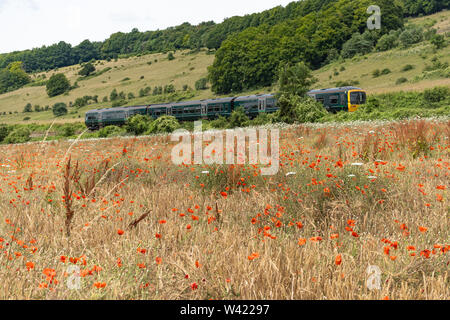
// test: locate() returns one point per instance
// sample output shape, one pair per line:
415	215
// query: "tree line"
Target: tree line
187	36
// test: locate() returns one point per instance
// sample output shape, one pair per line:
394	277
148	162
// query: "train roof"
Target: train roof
254	97
331	90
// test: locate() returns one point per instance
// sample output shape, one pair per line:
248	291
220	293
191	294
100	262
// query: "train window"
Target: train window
334	99
358	98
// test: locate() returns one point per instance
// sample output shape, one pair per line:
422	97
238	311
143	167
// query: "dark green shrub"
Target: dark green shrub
238	118
164	124
59	109
137	124
407	67
109	131
57	84
201	84
437	94
401	80
18	135
28	108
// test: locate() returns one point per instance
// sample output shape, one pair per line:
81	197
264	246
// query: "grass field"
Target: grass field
187	68
346	198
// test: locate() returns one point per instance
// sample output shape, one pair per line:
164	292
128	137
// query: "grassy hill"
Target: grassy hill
132	74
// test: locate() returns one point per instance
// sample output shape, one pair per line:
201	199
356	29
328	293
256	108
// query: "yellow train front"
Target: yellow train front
340	99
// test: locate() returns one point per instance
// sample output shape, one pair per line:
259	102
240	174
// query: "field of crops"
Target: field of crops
116	219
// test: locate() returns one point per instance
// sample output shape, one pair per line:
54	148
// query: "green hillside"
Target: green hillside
130	75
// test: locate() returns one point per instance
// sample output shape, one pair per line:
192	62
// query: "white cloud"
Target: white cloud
26	24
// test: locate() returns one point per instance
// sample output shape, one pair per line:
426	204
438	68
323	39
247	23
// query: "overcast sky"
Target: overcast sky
26	24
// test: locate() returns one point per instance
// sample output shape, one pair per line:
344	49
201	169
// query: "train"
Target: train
333	99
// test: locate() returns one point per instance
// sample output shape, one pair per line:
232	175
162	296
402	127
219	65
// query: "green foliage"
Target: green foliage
401	80
164	124
437	94
4	131
87	70
28	108
407	67
13	77
358	44
113	96
59	109
251	58
170	56
438	41
238	118
425	7
411	35
299	109
295	80
138	124
388	41
201	84
170	88
18	135
109	131
57	84
220	123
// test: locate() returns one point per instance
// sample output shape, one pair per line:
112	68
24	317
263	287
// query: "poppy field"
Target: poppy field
356	211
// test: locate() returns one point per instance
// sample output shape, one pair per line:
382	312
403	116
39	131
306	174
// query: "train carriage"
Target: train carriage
256	104
340	99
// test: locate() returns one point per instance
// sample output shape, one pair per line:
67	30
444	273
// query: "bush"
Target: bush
220	123
109	131
407	67
18	135
4	132
387	42
238	118
437	94
26	118
68	130
59	109
385	71
170	56
87	70
137	124
28	108
164	124
376	73
438	41
358	44
57	84
201	84
411	36
299	109
401	80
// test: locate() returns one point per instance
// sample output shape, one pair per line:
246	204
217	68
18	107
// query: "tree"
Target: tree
201	84
13	77
87	69
28	108
295	80
57	84
59	109
411	35
438	41
113	96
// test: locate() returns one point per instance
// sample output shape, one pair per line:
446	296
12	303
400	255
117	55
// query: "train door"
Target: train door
169	111
262	104
204	110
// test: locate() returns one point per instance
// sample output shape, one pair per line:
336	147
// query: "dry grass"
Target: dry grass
150	230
